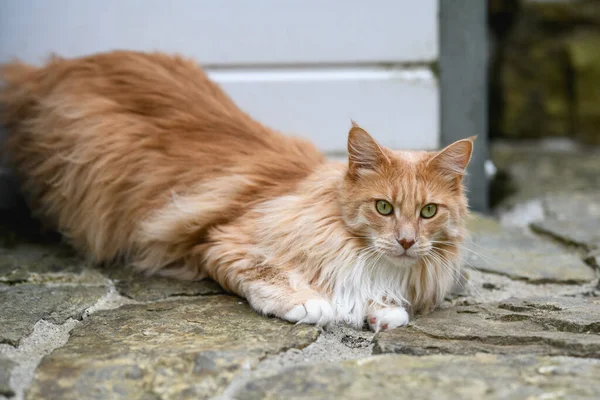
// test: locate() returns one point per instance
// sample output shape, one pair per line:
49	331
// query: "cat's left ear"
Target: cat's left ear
453	160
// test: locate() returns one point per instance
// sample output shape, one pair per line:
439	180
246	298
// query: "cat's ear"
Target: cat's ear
363	151
452	161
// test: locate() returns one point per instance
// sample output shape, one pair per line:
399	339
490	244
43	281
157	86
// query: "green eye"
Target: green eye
383	207
428	211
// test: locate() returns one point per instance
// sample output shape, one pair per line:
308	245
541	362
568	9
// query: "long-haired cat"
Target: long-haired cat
141	158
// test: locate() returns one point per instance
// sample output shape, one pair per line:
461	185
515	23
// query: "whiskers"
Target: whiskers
373	255
441	255
440	258
485	258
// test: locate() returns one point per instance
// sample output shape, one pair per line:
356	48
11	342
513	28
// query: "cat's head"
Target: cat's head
405	204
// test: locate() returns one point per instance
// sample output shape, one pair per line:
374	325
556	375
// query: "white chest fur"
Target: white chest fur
368	282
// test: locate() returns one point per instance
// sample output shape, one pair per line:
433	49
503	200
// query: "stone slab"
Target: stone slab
6	367
32	262
521	255
529	172
573	218
140	287
566	326
178	349
25	304
481	376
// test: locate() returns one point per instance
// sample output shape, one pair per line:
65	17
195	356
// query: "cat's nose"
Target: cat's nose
406	244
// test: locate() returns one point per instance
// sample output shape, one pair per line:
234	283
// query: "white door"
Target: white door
300	66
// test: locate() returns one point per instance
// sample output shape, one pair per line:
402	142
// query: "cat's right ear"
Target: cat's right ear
363	151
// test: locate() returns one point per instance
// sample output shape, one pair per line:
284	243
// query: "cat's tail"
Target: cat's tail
19	91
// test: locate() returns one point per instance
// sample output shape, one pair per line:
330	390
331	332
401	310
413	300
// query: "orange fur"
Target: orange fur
141	157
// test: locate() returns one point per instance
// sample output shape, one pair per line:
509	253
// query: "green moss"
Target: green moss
434	67
585	58
564	14
535	91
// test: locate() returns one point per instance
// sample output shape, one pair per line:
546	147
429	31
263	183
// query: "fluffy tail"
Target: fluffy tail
20	89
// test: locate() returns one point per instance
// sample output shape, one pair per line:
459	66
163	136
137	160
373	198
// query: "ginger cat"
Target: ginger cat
141	158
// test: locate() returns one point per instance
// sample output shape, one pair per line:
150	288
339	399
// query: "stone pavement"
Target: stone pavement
524	323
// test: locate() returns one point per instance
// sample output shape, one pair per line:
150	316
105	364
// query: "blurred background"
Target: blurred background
544	97
523	75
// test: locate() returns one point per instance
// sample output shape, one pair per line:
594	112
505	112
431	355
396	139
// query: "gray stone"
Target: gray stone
178	349
32	262
521	255
481	376
573	218
25	304
143	288
592	259
460	286
550	326
6	367
532	171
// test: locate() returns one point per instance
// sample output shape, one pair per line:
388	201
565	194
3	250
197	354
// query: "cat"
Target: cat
140	158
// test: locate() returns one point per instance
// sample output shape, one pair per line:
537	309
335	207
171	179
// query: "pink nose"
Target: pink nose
406	244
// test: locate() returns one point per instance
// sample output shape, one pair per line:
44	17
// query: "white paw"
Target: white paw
317	312
387	318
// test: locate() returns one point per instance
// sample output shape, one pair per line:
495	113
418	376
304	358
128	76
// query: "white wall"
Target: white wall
301	66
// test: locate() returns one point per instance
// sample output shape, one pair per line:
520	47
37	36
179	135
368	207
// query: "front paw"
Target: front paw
387	318
318	312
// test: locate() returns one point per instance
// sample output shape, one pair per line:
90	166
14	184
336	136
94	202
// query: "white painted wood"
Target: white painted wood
225	32
398	107
299	66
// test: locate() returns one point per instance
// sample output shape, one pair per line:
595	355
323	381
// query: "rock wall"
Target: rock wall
545	69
